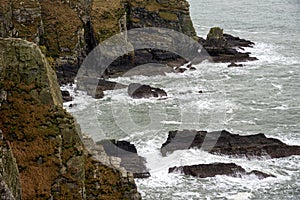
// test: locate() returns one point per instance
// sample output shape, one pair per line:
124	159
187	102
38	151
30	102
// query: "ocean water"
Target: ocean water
262	97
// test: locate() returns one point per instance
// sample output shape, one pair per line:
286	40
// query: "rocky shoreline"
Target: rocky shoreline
44	155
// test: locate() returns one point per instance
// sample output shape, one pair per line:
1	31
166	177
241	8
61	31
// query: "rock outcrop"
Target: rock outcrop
172	14
223	47
223	142
214	169
44	139
129	159
138	91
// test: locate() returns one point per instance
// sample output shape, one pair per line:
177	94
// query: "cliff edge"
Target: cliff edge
42	139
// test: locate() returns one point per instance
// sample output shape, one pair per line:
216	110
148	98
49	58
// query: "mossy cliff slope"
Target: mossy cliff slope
44	139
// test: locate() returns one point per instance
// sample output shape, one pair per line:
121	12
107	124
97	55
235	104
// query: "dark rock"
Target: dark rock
235	65
221	47
95	87
130	160
66	96
215	38
138	91
233	41
211	170
223	142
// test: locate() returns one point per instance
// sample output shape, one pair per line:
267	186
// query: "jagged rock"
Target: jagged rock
211	170
233	41
66	96
215	38
95	87
138	91
221	47
223	142
130	160
235	65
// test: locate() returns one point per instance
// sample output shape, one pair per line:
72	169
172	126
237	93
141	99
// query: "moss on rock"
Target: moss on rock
44	138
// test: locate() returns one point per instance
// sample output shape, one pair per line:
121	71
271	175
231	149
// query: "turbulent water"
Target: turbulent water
262	97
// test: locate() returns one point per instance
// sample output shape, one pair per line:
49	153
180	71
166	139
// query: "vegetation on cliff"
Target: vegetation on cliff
45	140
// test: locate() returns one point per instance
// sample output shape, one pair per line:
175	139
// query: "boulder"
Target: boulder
214	169
66	96
138	91
130	160
223	142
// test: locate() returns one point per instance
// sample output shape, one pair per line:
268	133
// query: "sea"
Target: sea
261	97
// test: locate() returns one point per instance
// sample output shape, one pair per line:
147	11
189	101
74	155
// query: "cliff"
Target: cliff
68	30
42	153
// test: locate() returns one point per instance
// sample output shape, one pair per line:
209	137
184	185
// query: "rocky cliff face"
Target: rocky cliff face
172	14
51	159
69	30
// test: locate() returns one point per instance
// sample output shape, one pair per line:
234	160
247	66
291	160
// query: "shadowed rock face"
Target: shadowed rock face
223	142
214	169
138	91
127	152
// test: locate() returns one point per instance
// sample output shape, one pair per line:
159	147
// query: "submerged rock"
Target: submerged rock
127	152
138	91
235	65
214	169
223	142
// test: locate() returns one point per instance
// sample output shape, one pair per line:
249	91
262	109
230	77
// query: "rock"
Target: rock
214	169
138	91
95	87
171	14
223	142
66	96
235	65
215	38
233	41
45	140
130	160
222	47
10	184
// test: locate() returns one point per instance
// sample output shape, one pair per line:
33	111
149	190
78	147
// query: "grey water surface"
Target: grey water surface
262	97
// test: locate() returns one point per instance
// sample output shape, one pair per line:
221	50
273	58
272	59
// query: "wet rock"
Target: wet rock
138	91
222	47
235	65
223	142
233	41
95	87
66	96
130	160
214	169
